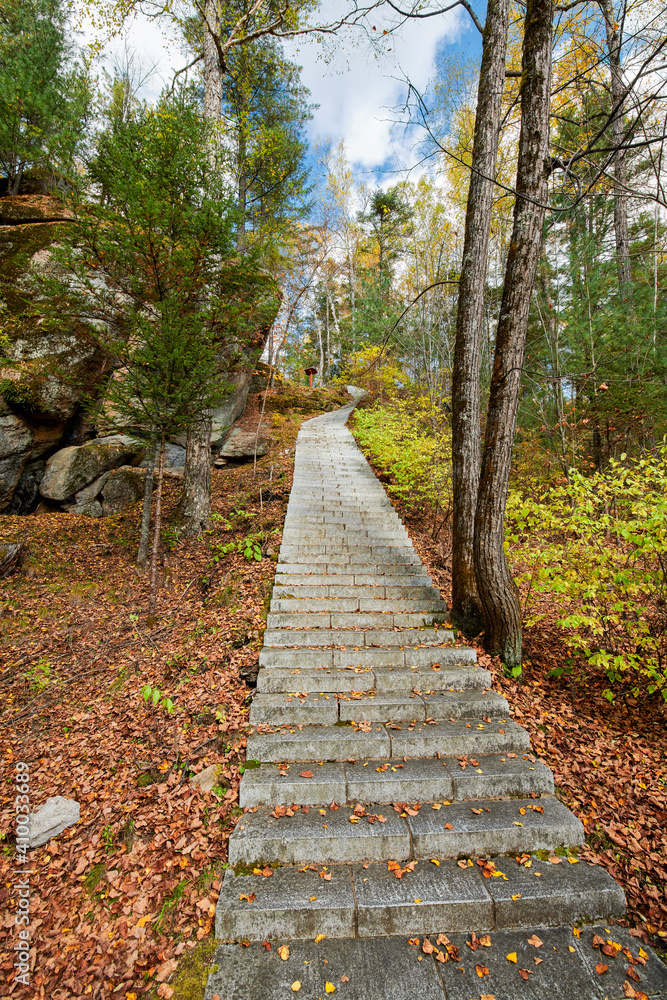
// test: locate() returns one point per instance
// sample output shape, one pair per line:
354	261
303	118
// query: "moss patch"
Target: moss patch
194	968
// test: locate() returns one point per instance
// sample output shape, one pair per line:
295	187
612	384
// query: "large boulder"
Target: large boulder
70	469
122	489
47	369
241	444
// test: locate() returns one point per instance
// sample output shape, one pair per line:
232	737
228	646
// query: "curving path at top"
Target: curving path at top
397	810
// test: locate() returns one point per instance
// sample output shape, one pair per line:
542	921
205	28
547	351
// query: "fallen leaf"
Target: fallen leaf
512	957
600	968
296	986
344	979
427	947
283	952
481	971
535	941
319	937
329	987
251	898
524	973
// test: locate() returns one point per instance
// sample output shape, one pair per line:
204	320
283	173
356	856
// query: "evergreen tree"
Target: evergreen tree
44	94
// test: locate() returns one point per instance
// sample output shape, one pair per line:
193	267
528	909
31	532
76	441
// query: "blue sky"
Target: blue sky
357	90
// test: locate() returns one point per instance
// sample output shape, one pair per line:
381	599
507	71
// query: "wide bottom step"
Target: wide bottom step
398	968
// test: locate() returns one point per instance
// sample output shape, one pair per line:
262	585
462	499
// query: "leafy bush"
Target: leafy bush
410	440
600	543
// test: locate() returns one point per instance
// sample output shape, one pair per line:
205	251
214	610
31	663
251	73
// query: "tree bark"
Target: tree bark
195	505
498	592
614	40
157	528
144	535
212	70
466	429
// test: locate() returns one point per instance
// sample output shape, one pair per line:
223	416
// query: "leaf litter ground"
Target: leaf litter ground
118	898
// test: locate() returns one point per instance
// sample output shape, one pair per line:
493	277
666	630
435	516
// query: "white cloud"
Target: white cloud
357	91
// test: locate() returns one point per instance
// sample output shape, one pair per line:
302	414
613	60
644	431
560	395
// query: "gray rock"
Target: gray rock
174	455
91	508
92	491
224	415
207	779
124	487
70	469
26	493
52	818
241	444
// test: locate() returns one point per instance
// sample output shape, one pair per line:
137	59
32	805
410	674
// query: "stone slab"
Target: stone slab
374	969
442	655
561	975
266	786
318	743
314	604
295	658
303	619
454	739
281	709
279	679
320	836
425	901
381	708
431	679
288	903
652	976
554	894
496	774
495	830
465	704
391	780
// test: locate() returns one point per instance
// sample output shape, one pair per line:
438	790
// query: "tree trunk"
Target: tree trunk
157	528
212	71
195	505
467	350
614	40
498	593
144	535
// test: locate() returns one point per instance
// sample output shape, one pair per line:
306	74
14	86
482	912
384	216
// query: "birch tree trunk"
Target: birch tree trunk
195	502
157	530
614	40
497	591
466	430
144	535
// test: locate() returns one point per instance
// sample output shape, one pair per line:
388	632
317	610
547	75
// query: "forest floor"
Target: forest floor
609	760
122	897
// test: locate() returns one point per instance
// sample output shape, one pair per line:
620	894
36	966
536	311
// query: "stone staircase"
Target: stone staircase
393	796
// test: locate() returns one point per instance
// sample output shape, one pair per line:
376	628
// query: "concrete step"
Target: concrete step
336	836
332	566
296	707
358	901
390	657
362	637
407	582
355	591
386	780
334	605
355	619
278	680
395	968
347	742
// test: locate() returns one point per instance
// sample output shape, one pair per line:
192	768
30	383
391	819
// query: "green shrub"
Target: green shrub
599	543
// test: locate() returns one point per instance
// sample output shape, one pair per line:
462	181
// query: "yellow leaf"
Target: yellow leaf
570	948
417	900
435	862
283	952
576	931
296	986
512	957
320	937
313	898
330	988
517	895
573	861
517	824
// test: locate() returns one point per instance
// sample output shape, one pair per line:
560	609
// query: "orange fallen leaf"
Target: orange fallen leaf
481	971
535	941
512	957
307	774
524	973
283	952
600	968
251	898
